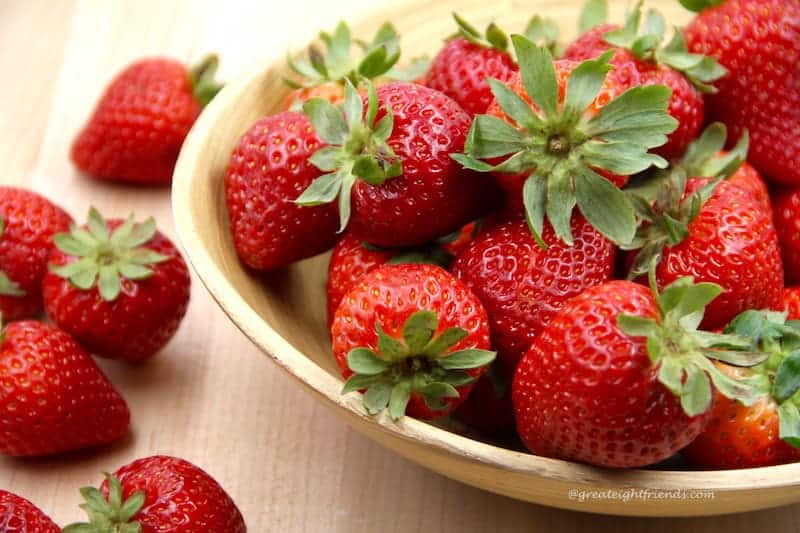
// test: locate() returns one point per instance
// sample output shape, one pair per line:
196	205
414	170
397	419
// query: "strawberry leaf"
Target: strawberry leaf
594	13
789	417
787	378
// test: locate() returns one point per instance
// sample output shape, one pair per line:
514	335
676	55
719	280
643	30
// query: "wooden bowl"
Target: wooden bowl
283	313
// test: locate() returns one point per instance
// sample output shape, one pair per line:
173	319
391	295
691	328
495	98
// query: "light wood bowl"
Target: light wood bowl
283	313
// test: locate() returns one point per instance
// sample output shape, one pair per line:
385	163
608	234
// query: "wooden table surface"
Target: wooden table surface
211	397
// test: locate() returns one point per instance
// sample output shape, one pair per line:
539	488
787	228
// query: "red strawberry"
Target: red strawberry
157	494
18	515
620	378
28	222
522	285
787	223
414	337
120	288
388	161
766	432
790	300
268	170
137	129
54	396
758	41
488	408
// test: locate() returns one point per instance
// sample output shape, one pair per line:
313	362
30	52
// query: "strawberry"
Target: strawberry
639	59
18	515
137	129
790	302
710	228
157	494
620	377
120	288
562	123
488	408
768	431
267	170
522	284
54	396
758	41
414	337
787	223
388	161
28	222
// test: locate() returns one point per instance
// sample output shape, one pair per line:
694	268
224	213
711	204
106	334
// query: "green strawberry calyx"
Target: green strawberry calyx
202	78
420	363
8	287
357	148
111	515
336	64
778	376
699	5
646	45
560	146
663	213
542	31
683	354
105	258
594	13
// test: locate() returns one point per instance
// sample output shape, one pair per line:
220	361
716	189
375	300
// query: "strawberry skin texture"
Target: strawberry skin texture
748	178
790	300
53	397
733	243
523	286
268	170
139	322
587	392
686	103
31	221
139	124
179	497
787	224
461	68
392	293
18	515
434	196
758	41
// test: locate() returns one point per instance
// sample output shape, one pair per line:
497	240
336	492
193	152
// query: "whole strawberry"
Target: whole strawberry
786	214
758	41
28	222
522	284
120	288
18	515
388	162
269	168
620	377
54	396
138	126
157	494
414	337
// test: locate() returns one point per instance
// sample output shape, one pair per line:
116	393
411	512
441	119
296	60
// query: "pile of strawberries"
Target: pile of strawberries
591	252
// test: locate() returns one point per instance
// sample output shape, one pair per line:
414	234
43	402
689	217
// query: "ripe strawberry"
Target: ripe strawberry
268	169
28	222
388	161
712	229
414	337
157	494
790	302
137	129
639	59
768	431
120	288
522	285
556	135
18	515
620	377
54	397
787	223
488	408
758	41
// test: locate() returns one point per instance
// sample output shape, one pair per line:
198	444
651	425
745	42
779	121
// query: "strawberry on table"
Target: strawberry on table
119	287
18	515
54	398
758	41
786	215
414	337
28	222
157	494
138	126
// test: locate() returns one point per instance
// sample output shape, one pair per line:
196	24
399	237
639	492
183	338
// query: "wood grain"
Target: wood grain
211	396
